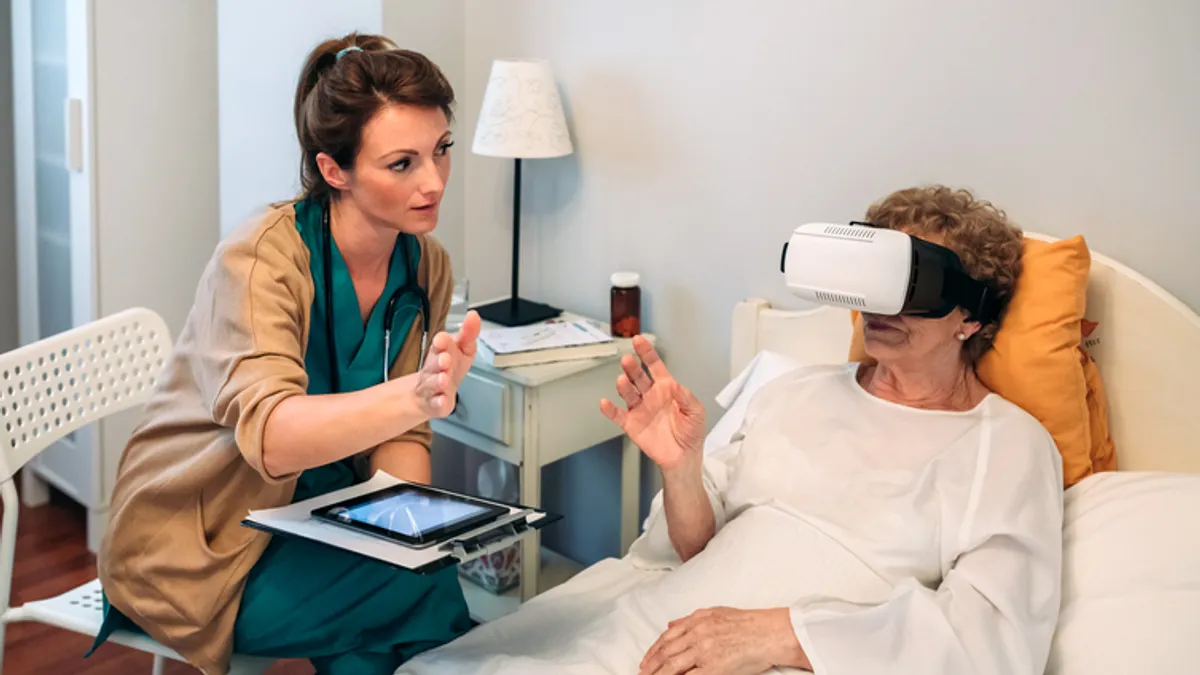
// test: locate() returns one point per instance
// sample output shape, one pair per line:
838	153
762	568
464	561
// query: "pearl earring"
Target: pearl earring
962	336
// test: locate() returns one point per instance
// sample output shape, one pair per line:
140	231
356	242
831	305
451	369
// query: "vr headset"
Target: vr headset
881	271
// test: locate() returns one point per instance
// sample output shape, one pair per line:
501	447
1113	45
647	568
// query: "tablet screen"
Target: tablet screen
412	513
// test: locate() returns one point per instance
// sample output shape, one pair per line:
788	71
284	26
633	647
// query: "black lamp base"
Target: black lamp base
520	313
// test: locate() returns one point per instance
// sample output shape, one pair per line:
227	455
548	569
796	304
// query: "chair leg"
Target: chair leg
34	490
159	664
97	522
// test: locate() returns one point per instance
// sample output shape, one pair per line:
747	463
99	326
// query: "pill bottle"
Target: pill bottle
626	304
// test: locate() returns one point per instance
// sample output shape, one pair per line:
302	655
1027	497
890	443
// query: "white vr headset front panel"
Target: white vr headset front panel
851	266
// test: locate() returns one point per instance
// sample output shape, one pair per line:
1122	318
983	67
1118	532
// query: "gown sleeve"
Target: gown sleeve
250	339
996	607
653	550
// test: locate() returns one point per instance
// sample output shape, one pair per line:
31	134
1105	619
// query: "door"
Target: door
50	90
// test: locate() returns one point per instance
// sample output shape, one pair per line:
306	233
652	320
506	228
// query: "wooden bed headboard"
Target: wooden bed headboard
1146	345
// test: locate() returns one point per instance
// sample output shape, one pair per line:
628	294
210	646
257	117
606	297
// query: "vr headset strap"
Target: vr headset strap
975	297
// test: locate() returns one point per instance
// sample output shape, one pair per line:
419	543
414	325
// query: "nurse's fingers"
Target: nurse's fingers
439	405
437	362
469	330
636	373
436	383
443	342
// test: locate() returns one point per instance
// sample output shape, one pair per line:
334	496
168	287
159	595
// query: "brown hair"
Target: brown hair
336	97
989	245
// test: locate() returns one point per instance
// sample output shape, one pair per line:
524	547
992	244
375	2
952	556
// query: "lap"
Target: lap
304	599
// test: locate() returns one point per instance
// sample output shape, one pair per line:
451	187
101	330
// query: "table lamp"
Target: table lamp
522	118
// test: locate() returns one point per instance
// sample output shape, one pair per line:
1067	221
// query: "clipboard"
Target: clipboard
296	520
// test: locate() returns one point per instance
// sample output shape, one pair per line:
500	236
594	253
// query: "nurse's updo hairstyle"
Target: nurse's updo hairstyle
343	84
988	243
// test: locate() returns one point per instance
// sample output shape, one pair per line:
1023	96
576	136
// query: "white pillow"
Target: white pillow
736	395
1131	576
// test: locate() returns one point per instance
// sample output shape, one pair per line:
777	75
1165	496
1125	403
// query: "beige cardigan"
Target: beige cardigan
175	556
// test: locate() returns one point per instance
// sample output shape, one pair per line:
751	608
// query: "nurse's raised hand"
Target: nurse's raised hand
661	416
446	364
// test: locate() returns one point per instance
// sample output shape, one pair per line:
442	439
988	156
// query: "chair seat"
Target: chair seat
81	610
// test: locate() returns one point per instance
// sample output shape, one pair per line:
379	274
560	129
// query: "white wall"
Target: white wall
706	130
8	223
156	159
262	47
155	140
436	29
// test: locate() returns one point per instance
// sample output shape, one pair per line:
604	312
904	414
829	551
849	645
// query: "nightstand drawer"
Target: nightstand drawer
483	407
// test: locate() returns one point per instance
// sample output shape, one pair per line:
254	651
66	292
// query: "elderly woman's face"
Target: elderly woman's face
904	338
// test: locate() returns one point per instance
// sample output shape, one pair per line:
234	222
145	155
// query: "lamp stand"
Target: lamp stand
515	310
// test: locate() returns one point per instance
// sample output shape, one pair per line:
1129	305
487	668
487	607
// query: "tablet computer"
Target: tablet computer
414	515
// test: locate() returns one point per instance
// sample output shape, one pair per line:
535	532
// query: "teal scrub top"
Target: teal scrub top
359	360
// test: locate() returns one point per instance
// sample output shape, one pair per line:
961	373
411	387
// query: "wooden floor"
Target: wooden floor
52	558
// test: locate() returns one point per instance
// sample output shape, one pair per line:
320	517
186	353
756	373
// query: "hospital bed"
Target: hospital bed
1131	574
1131	596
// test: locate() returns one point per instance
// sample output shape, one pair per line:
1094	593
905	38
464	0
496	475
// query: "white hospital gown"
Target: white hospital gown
903	540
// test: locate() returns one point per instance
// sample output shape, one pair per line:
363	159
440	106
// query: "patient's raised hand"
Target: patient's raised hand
662	417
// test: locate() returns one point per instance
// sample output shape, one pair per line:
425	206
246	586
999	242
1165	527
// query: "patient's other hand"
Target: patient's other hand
728	641
663	418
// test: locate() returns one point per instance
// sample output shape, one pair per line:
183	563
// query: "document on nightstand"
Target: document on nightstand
545	342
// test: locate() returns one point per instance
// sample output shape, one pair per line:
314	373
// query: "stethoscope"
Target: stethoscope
410	286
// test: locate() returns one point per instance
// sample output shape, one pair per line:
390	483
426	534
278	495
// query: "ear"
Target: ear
332	173
970	328
964	324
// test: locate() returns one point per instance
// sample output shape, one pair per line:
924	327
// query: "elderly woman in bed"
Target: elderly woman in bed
907	474
884	517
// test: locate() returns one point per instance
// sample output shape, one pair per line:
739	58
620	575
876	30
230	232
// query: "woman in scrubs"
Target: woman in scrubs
314	355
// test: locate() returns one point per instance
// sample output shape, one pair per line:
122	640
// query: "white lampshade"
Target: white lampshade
522	115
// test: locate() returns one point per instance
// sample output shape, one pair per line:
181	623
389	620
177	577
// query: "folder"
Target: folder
296	520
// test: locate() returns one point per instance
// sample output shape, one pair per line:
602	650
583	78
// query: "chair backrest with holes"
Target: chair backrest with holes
64	382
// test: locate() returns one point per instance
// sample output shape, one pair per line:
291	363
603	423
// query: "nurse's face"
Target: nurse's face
400	173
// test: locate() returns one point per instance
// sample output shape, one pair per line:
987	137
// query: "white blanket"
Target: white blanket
902	540
604	620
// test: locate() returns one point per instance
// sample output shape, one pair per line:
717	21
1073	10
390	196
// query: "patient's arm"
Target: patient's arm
666	421
690	521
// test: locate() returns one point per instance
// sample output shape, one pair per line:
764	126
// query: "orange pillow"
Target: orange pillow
1037	361
1103	453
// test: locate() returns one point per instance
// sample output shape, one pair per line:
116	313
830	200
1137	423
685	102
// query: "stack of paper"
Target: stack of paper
544	343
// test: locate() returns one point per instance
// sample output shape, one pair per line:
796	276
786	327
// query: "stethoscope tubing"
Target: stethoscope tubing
410	286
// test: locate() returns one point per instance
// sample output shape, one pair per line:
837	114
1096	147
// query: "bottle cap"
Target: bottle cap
625	279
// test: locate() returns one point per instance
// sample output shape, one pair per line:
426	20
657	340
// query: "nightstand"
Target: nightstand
531	416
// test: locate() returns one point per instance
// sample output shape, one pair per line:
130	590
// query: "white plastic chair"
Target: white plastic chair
49	389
